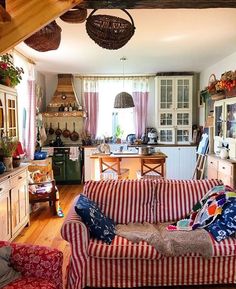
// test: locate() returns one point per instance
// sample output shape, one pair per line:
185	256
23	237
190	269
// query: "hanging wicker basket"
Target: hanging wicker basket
110	32
75	15
47	38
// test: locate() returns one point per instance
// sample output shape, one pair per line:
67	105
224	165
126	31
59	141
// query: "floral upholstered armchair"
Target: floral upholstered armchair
38	267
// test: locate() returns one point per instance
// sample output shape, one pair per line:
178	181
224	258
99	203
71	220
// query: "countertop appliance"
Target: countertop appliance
66	170
152	136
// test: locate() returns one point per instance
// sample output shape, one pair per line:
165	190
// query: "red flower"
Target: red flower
3	65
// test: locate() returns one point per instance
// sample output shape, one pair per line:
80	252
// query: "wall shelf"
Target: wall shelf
65	113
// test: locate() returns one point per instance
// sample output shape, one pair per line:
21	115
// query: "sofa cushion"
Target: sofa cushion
30	283
123	201
100	226
121	248
226	247
176	198
225	225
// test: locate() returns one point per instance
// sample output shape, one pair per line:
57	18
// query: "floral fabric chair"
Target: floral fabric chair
40	267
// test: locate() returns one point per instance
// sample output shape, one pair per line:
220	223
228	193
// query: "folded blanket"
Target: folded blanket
168	243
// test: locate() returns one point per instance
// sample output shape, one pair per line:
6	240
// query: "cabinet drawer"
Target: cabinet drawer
18	178
4	186
225	168
212	162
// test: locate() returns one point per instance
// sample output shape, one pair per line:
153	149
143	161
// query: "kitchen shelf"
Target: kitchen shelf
64	113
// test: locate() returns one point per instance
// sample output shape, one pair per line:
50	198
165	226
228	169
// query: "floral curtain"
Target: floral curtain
90	88
140	96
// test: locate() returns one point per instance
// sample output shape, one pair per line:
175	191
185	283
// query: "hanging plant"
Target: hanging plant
10	75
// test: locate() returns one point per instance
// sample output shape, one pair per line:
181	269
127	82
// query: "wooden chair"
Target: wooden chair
110	169
42	186
151	168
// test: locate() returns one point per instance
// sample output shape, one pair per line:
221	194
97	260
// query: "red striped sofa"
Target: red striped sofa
126	264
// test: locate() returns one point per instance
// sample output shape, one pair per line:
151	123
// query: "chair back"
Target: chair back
109	164
153	165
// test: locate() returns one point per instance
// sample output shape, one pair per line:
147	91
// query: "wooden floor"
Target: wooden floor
45	230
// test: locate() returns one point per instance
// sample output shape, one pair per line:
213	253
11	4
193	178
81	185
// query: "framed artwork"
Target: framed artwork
200	101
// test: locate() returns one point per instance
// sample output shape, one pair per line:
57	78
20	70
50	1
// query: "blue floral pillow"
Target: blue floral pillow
225	225
100	226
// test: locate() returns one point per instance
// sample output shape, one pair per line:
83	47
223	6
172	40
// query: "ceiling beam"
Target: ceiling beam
27	17
4	16
158	4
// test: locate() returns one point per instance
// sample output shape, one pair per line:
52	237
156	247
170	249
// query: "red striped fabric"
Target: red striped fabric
226	247
123	200
121	248
175	198
167	271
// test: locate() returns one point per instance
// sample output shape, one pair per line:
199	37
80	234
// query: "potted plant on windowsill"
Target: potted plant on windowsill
8	147
118	134
10	75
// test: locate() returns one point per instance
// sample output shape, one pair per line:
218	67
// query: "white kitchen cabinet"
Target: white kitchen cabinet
88	163
180	162
173	102
14	203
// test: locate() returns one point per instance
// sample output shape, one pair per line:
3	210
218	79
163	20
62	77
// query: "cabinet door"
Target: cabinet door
218	118
5	215
11	110
230	119
88	164
183	135
166	93
187	162
19	206
183	93
166	135
172	162
2	114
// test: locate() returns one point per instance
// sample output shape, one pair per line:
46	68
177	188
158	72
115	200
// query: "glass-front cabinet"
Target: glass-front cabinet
174	109
8	112
225	118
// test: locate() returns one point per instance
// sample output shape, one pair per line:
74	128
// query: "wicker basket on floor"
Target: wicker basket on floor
75	15
47	38
110	32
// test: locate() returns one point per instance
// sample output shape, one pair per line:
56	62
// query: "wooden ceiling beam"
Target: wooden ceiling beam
4	15
27	17
158	4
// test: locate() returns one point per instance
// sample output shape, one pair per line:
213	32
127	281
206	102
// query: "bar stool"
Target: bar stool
151	168
110	169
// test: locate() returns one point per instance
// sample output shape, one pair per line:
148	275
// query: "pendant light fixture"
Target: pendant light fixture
123	99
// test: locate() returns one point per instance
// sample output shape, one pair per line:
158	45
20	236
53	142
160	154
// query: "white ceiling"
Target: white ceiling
164	40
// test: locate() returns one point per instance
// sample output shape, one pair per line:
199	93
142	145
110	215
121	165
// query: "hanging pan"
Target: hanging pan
66	132
51	130
74	135
58	131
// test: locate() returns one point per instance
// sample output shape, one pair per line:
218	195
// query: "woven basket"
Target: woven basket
75	15
47	38
110	32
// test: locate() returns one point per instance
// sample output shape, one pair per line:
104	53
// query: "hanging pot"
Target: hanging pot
74	135
66	132
51	130
58	131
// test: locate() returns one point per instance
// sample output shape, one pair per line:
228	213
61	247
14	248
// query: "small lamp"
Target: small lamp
123	99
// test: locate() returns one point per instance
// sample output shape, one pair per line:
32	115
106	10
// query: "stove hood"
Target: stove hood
65	93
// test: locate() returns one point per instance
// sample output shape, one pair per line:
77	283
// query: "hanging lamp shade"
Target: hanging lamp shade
123	100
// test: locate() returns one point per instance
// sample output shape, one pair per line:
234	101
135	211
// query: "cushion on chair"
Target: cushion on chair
100	226
7	273
150	175
30	283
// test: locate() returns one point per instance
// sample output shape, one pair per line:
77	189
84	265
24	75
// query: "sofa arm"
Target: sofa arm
37	261
76	233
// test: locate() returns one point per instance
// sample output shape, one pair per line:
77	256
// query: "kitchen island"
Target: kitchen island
129	160
180	162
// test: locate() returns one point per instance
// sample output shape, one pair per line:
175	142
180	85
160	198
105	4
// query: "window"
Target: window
109	118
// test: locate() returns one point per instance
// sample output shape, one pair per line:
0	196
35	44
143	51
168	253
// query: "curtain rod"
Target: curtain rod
24	56
114	76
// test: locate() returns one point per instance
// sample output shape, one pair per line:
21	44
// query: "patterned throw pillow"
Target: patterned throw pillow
100	226
225	225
